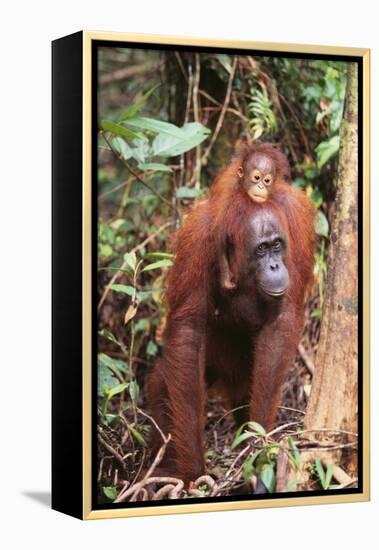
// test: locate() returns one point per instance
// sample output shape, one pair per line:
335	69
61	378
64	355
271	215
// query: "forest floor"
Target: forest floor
124	458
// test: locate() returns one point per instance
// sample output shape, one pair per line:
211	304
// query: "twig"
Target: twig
330	430
124	264
111	450
126	72
223	111
164	438
134	173
195	99
137	486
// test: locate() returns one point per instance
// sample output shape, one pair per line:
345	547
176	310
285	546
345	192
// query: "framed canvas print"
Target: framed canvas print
210	275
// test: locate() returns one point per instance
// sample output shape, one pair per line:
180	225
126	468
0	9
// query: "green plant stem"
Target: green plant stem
134	173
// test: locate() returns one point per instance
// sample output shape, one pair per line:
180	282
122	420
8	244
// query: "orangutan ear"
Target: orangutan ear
240	172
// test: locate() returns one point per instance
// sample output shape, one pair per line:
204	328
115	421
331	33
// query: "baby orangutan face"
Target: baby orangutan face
258	176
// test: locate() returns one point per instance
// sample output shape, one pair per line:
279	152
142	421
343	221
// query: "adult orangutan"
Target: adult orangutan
241	335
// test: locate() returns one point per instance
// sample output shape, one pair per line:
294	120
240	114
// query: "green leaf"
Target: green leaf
267	476
191	135
126	289
316	197
113	364
329	474
152	348
248	467
109	126
137	105
122	148
142	325
159	256
257	428
225	61
134	390
137	436
316	313
116	390
320	472
294	453
239	439
155	126
321	224
326	150
292	484
131	259
158	265
105	250
109	336
105	379
156	166
188	192
110	492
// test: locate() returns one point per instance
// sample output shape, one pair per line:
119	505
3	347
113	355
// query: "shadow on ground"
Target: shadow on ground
42	497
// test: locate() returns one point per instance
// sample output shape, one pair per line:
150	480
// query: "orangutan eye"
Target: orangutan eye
277	245
256	175
261	249
267	180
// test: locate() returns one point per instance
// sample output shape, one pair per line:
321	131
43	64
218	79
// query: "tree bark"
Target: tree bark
334	396
333	401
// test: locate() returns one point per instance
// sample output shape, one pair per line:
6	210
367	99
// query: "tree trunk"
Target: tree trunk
334	396
333	402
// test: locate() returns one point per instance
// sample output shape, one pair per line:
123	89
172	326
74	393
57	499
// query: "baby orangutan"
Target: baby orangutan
257	176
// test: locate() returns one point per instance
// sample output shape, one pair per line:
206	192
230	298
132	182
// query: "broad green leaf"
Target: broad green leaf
190	135
105	250
329	474
248	467
316	197
158	265
116	390
156	126
109	126
267	476
134	390
142	325
109	336
137	105
152	348
110	492
137	436
105	378
257	428
159	256
292	484
126	289
131	259
320	472
225	61
144	295
188	192
240	438
294	453
122	148
321	224
116	365
155	166
326	150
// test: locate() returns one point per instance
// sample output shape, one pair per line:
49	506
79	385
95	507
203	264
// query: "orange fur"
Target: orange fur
252	364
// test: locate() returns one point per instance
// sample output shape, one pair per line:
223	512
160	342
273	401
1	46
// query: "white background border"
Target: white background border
25	107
